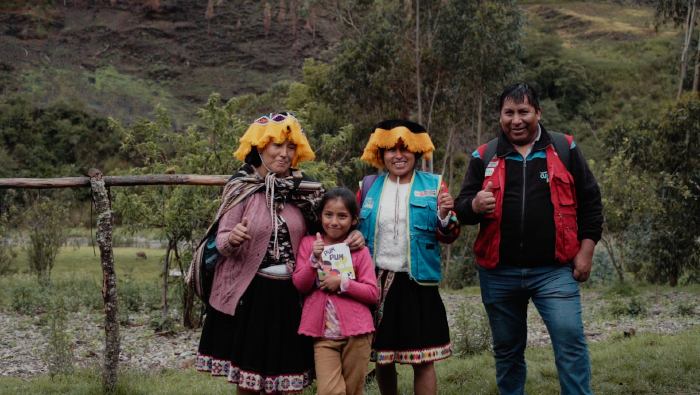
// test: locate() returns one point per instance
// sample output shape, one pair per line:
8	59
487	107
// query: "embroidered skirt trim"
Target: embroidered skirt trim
412	357
252	381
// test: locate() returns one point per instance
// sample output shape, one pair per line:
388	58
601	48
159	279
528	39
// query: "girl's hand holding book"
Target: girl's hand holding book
330	284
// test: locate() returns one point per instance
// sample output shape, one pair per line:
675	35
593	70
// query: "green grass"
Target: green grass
645	364
105	91
86	261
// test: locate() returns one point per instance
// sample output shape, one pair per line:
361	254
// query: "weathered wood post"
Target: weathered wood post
103	207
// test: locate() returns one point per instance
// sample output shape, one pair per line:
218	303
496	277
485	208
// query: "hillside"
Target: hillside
124	59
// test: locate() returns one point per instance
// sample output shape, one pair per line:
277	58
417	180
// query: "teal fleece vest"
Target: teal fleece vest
424	251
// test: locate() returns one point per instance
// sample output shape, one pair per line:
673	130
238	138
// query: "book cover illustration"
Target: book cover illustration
337	262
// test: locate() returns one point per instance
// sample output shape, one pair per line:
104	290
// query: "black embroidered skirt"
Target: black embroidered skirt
259	348
413	328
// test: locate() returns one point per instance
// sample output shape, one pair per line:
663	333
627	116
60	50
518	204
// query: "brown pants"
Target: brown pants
341	364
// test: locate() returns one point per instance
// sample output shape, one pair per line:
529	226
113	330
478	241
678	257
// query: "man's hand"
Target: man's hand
484	202
239	234
446	204
330	284
355	240
583	261
318	247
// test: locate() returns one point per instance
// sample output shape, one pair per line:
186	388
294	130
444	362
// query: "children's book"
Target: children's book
337	262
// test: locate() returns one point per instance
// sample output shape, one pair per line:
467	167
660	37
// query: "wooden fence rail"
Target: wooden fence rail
103	207
113	181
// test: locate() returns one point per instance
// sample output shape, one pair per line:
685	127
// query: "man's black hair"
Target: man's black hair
517	93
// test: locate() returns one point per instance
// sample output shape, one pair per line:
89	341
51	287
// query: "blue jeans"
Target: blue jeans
505	293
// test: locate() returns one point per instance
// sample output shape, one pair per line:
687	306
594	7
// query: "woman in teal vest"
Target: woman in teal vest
404	214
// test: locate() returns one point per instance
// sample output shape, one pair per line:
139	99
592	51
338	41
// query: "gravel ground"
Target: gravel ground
23	338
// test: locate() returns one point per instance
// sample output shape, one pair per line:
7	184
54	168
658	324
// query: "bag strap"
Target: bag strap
562	144
365	185
489	151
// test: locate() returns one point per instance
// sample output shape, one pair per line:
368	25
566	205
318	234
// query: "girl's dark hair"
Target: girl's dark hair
346	196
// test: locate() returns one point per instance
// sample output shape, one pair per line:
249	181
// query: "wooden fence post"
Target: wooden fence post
103	208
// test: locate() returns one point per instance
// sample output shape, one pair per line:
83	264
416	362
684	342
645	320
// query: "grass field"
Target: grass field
86	262
645	364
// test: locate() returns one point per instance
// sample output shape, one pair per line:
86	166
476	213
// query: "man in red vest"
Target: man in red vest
540	214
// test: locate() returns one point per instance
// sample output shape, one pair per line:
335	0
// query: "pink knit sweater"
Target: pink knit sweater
352	306
236	267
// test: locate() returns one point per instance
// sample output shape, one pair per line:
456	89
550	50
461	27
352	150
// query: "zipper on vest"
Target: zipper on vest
522	213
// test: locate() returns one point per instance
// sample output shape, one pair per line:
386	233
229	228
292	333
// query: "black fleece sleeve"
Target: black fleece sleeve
471	185
590	206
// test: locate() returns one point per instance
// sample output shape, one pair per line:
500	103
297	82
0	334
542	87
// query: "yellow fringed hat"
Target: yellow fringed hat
276	127
386	134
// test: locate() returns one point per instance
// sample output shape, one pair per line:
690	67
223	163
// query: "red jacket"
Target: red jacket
563	192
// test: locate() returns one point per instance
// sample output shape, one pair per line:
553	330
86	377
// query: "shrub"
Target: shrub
160	324
47	222
24	298
473	330
620	290
634	307
690	277
685	307
7	251
59	349
130	295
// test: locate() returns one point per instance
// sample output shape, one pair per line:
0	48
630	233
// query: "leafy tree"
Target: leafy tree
666	149
182	213
480	45
59	140
629	197
437	62
681	12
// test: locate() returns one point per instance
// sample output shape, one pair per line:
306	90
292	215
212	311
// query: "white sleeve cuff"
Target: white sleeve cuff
446	221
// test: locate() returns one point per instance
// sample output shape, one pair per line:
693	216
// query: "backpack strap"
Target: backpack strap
489	151
365	185
562	144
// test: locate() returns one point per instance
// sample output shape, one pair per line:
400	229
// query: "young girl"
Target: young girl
336	312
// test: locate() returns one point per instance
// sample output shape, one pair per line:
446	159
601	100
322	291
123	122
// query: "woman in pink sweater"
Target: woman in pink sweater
336	312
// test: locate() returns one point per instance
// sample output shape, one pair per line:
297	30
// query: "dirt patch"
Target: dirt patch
611	36
561	21
23	340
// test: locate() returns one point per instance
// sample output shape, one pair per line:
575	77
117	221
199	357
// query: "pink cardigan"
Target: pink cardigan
351	306
236	267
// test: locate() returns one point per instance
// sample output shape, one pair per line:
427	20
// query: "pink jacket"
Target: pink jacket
352	306
237	266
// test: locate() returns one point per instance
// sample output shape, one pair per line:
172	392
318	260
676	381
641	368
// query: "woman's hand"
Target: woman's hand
330	284
355	240
318	247
446	204
239	234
